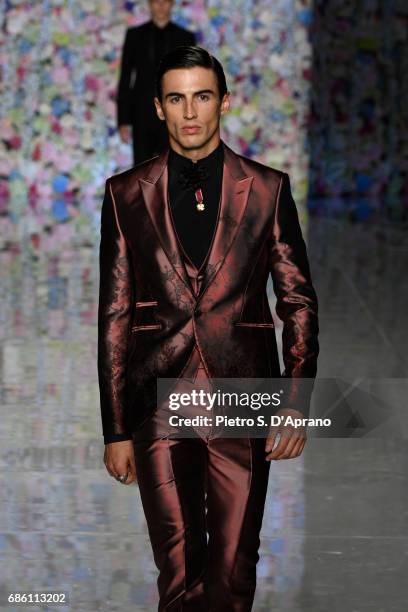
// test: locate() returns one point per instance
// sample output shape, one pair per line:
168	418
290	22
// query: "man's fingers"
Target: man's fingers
270	440
132	477
291	447
288	452
298	447
283	442
119	460
108	464
120	468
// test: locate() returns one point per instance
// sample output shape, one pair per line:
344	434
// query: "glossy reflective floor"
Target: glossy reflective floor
335	532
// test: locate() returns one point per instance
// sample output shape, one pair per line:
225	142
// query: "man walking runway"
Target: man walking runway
188	240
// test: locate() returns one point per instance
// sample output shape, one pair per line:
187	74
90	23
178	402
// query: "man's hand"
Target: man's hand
119	459
125	133
292	439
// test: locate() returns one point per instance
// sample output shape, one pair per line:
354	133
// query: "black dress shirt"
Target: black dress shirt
195	228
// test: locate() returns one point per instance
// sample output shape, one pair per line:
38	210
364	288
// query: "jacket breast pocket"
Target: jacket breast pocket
145	316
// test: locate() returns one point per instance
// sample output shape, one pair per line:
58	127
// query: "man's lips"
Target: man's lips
191	129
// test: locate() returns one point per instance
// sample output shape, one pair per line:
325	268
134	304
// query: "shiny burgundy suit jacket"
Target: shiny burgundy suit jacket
150	319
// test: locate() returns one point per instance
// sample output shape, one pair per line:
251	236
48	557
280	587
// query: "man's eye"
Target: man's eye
204	96
175	99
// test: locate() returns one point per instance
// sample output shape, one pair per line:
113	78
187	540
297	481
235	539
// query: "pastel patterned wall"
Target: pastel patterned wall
318	90
59	63
358	132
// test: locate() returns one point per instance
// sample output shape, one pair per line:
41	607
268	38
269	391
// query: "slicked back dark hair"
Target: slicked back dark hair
188	56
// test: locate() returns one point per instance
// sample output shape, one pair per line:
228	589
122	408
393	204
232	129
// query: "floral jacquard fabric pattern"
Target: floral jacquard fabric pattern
114	317
227	317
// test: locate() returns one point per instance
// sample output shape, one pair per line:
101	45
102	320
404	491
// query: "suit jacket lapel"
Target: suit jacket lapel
154	189
236	186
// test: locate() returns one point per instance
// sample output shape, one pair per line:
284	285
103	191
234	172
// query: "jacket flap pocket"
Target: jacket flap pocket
143	304
145	315
242	324
146	327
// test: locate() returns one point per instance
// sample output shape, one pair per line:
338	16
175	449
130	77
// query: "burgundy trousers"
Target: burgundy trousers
191	487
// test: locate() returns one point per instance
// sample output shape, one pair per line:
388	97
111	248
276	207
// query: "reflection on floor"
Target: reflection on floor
335	527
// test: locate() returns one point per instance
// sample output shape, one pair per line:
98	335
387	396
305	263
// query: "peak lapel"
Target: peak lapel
154	189
236	186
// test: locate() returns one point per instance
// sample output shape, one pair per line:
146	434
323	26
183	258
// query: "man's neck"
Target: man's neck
195	154
160	24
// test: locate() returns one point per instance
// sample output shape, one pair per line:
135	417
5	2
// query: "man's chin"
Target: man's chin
192	141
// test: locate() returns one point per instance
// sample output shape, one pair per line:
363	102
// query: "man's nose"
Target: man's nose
189	110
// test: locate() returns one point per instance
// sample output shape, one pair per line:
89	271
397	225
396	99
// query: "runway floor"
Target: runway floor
335	531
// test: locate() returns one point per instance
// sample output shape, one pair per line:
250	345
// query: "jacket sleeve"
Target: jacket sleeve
297	304
124	93
114	320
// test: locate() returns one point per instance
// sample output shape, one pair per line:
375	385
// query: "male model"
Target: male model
143	48
188	240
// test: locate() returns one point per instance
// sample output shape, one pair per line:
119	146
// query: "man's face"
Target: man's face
160	10
191	106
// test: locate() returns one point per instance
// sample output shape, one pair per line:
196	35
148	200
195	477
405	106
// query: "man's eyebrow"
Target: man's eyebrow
196	93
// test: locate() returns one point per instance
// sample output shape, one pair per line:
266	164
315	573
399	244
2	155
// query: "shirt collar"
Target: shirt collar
177	161
160	29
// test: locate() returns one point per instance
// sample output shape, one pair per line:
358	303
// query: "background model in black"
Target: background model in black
142	50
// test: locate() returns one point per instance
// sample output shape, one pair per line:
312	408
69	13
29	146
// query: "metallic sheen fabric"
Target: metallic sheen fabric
150	317
189	486
193	486
161	317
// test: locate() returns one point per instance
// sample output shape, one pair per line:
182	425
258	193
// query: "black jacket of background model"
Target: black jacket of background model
136	87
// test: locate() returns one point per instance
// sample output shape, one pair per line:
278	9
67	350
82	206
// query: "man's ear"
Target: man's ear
225	103
159	109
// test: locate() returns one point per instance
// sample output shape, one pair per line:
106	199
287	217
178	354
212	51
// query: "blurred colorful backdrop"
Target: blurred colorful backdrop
331	114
